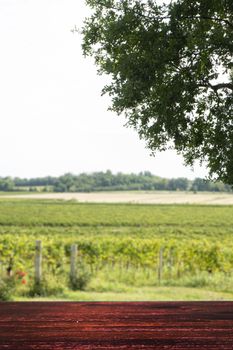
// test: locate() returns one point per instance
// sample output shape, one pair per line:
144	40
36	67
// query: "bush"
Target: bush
7	288
80	281
46	287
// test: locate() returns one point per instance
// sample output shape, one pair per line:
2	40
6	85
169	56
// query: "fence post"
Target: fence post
73	258
38	262
170	261
160	264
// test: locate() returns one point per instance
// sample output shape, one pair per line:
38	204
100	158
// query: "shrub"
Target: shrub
7	288
46	287
80	281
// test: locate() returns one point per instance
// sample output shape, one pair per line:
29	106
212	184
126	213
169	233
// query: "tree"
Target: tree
6	184
171	73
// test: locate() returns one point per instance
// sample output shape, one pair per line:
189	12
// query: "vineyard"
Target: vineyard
137	244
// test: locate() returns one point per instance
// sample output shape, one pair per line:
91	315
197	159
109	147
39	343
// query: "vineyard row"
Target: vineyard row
164	257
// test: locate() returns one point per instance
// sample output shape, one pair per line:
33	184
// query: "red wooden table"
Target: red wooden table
118	325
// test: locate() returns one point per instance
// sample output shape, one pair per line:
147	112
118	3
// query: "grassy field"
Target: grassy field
139	294
140	197
119	247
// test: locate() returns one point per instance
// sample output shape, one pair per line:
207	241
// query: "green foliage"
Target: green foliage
6	184
81	280
48	286
171	70
107	181
7	288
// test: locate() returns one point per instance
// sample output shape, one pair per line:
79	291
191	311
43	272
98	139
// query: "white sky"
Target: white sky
53	119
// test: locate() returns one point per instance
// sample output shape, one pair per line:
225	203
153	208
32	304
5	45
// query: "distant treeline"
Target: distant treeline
107	181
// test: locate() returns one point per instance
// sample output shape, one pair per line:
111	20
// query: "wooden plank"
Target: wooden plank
118	325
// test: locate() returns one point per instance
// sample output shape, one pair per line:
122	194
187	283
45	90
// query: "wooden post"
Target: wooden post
38	262
73	258
170	261
160	264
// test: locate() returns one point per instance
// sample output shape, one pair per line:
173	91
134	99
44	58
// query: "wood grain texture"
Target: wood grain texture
116	325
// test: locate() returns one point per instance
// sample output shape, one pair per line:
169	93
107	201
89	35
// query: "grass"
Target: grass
58	213
138	294
131	286
14	193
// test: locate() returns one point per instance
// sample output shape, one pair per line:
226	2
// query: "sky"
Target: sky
53	118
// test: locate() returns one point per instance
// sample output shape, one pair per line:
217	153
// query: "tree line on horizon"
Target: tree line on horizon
107	181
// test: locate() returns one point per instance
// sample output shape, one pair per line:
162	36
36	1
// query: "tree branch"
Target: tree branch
218	86
222	86
218	20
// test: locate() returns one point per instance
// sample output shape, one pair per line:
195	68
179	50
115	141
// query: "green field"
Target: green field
118	249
